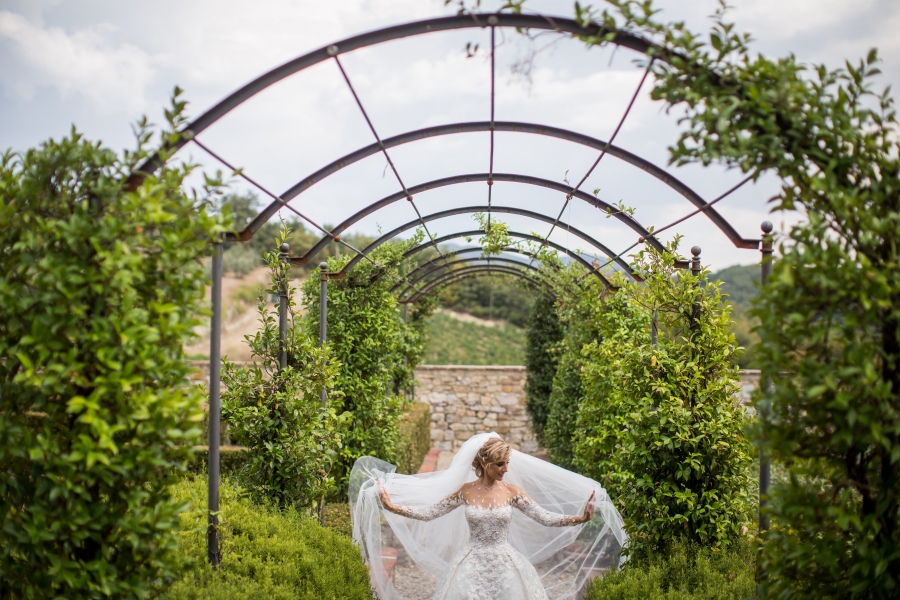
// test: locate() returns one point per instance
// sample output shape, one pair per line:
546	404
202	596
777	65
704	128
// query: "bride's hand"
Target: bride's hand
385	498
589	508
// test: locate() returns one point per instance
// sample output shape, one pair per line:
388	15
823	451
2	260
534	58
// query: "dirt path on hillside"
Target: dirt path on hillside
239	318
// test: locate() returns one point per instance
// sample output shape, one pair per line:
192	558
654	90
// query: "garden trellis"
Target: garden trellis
441	271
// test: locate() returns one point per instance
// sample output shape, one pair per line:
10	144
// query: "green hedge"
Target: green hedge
415	438
685	573
267	554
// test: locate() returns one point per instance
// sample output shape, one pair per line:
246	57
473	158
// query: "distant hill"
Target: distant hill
740	283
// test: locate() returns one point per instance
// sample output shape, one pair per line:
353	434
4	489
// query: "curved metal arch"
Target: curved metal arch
476	177
478	20
449	267
467	210
460	274
437	260
509	126
515	234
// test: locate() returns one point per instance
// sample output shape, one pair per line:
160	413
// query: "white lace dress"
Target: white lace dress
488	567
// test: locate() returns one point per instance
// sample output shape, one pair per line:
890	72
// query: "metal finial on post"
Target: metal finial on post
284	255
766	249
695	262
215	409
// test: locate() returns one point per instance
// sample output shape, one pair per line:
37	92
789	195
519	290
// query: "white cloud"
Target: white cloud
83	63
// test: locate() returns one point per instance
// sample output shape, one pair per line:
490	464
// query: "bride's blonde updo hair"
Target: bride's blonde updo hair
494	450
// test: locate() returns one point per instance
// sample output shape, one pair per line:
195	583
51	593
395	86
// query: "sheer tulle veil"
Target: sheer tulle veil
565	557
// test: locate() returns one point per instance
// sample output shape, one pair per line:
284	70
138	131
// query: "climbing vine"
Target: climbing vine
292	441
376	351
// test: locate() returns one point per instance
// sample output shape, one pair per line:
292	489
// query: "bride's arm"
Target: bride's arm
547	518
422	513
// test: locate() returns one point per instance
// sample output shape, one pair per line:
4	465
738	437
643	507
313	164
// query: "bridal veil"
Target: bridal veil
565	557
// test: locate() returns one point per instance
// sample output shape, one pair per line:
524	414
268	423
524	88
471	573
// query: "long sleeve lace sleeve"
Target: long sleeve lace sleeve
542	516
427	513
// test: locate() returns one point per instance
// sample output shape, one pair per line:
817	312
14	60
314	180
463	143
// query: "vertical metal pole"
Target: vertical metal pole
654	330
695	271
323	316
215	409
283	311
323	335
406	358
766	249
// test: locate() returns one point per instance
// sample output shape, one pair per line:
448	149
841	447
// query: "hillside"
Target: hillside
455	339
740	283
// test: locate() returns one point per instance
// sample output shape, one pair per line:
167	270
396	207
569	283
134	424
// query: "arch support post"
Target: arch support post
696	269
323	335
766	249
215	408
284	255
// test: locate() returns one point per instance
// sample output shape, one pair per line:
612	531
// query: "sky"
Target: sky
101	64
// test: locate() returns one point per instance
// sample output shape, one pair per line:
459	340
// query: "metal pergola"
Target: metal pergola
440	271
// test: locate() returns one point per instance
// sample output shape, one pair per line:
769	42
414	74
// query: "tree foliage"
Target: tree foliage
100	285
292	441
543	335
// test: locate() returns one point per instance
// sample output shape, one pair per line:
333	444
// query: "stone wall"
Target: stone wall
466	400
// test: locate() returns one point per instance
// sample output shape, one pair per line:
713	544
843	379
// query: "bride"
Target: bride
487	551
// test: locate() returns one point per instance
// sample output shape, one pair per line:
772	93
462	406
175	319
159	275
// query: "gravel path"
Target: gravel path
412	582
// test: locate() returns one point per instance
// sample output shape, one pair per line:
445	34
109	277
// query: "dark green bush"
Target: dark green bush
542	337
100	285
576	306
267	554
415	437
684	573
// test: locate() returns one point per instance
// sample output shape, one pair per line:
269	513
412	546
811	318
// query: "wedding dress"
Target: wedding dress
487	551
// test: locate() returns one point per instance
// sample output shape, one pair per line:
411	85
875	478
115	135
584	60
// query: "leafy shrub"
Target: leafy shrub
337	518
232	459
621	323
542	337
267	553
566	396
684	573
370	341
292	440
100	285
665	417
415	437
